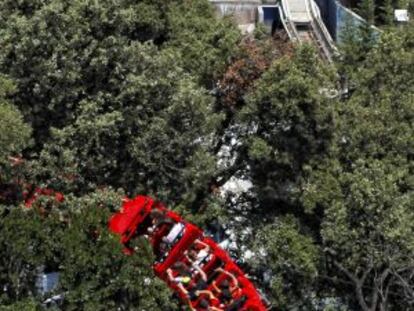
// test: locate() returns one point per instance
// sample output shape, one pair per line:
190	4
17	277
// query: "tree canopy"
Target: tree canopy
104	99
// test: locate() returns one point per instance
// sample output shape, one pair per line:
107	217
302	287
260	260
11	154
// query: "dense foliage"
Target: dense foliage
72	238
380	12
163	98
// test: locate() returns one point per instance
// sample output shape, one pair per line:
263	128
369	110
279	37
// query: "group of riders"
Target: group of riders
187	275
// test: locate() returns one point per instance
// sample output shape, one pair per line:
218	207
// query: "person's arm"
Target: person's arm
216	287
190	305
204	245
235	283
201	271
203	275
182	288
170	275
215	309
188	258
231	275
205	292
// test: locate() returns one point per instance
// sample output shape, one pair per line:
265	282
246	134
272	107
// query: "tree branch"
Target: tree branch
358	283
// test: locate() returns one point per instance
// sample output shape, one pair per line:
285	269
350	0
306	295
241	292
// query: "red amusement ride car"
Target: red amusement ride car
173	241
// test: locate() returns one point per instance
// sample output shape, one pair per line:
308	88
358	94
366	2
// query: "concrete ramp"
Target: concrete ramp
298	11
302	18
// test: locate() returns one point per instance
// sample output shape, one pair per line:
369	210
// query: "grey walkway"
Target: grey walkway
298	11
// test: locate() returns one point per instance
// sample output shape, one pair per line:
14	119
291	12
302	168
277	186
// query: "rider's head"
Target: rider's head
203	304
225	284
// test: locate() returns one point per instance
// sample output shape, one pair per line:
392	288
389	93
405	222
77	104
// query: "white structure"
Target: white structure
401	16
298	11
244	12
47	282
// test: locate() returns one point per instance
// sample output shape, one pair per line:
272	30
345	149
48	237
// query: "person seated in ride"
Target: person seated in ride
225	289
200	287
199	245
180	274
161	251
159	218
196	255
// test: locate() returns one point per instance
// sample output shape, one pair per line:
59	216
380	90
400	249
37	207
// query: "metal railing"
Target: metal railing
316	31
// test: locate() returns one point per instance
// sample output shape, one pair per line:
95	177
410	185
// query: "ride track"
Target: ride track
134	219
